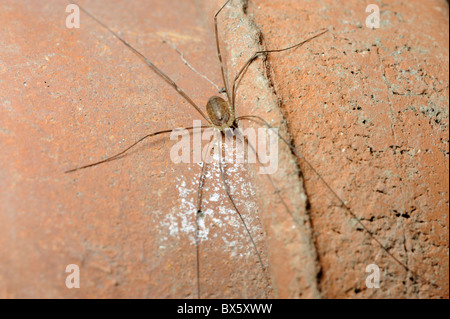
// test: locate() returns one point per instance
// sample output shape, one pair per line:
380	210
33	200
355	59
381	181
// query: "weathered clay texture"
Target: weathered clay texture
367	108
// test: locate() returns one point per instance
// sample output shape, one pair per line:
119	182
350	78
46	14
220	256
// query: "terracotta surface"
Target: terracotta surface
70	97
368	109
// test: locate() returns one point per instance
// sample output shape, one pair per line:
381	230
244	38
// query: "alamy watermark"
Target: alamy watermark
73	19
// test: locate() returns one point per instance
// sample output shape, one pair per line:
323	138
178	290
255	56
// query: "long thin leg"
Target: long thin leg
219	54
227	190
148	62
257	54
118	155
191	67
283	202
261	121
199	212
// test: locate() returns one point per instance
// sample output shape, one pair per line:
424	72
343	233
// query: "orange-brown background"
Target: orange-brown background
368	108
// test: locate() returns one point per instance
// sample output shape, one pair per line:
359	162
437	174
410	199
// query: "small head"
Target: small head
219	113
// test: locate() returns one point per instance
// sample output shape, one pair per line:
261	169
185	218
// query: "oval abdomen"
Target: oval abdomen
218	111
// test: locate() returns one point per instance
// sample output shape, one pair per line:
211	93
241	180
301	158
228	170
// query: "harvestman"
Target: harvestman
221	116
